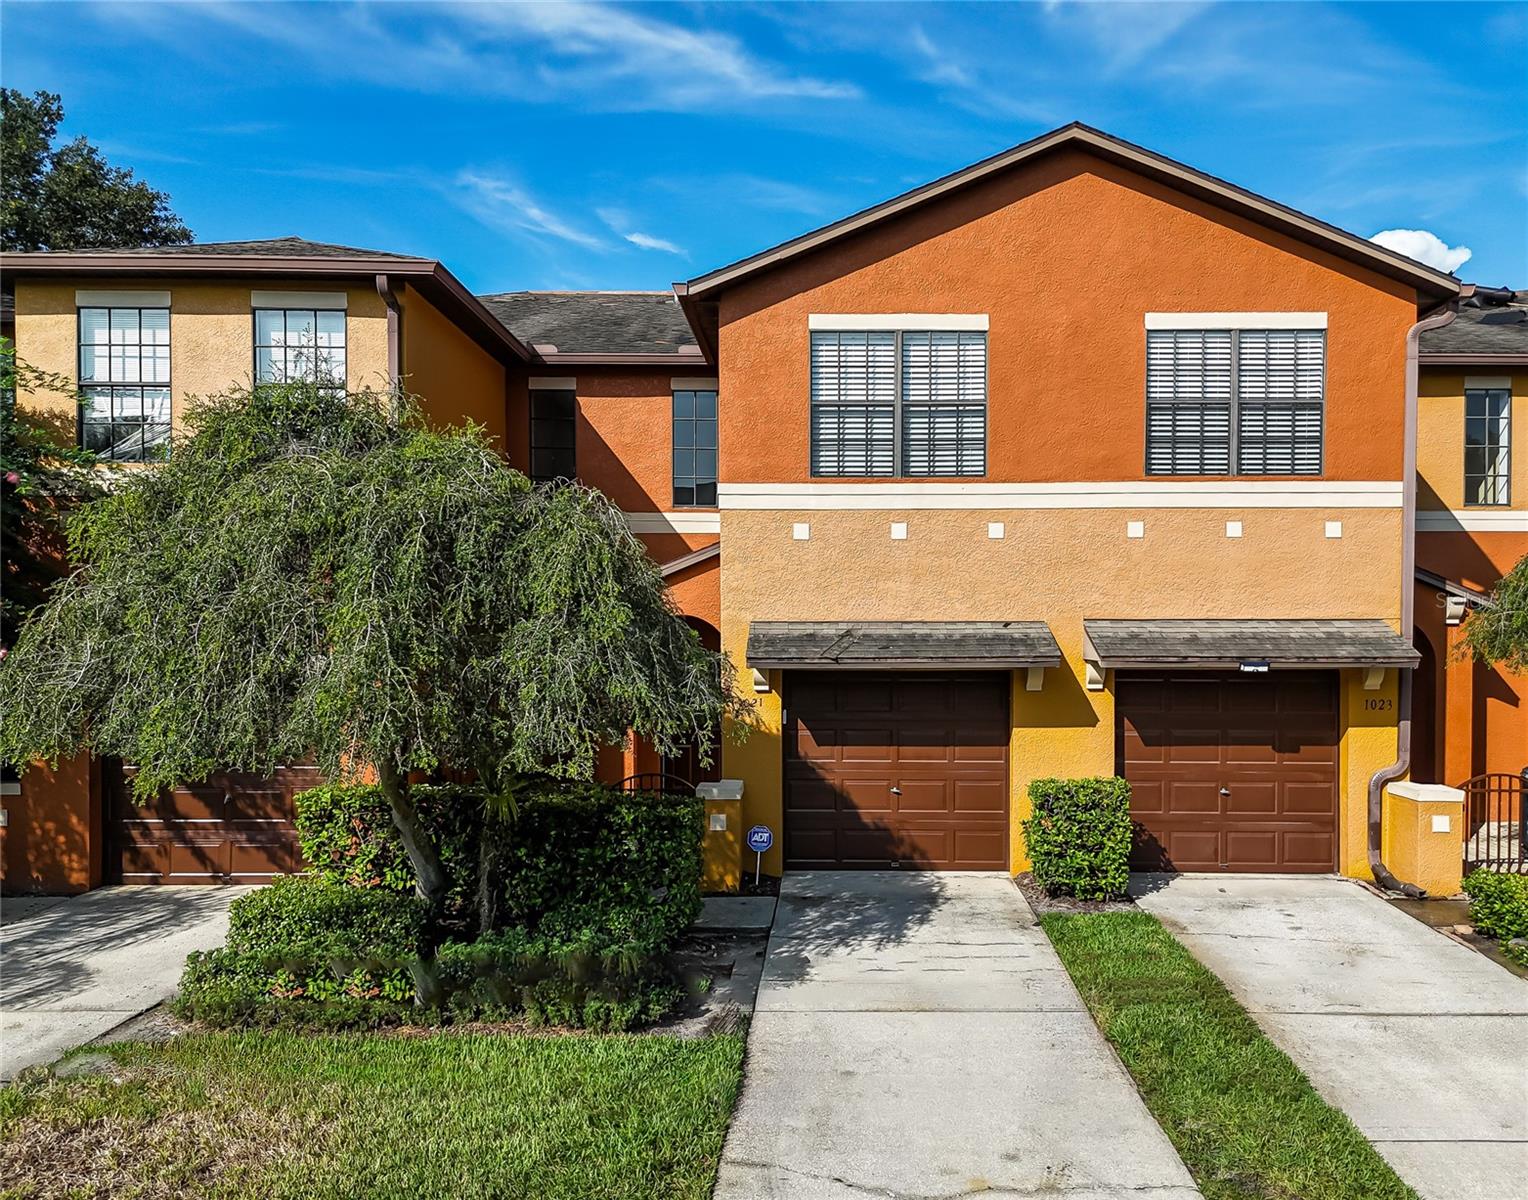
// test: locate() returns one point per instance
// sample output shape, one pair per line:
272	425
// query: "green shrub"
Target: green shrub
347	836
307	940
1498	903
1079	836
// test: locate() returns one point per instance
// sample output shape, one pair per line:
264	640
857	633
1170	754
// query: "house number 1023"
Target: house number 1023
1378	703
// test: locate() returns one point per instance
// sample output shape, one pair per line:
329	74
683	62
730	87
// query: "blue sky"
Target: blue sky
604	146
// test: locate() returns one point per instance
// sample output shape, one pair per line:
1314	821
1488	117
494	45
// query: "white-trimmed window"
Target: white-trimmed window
294	344
1235	401
1487	445
124	376
899	402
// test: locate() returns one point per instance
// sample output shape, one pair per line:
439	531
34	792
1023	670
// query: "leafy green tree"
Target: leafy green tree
70	197
323	576
1497	634
42	474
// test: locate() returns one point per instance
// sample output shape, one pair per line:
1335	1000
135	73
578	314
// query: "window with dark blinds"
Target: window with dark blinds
899	403
554	418
944	403
1243	402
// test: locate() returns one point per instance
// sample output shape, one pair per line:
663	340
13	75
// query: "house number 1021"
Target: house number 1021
1377	703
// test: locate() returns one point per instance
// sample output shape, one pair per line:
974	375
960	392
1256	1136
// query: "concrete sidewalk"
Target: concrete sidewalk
1421	1041
916	1035
72	969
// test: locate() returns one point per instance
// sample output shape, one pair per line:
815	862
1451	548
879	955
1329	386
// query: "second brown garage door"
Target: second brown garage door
1230	772
886	770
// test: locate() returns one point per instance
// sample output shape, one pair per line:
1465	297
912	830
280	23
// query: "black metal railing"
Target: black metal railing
657	781
1495	831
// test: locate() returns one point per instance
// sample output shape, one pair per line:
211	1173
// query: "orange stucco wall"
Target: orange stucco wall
1066	256
52	840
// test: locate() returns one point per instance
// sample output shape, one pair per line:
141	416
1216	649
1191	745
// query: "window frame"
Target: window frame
898	332
1505	481
532	420
695	478
1234	401
256	346
83	404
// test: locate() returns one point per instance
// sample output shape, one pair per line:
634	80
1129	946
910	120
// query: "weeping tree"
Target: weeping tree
1497	633
321	577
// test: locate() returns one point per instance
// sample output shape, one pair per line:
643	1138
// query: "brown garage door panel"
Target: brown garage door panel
1230	772
884	769
230	828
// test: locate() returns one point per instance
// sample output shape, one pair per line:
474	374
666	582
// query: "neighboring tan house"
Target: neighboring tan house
1472	527
1075	462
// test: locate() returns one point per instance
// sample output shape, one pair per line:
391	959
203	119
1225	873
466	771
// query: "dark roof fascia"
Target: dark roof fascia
1474	595
693	558
430	277
573	359
1445	359
1267	212
702	316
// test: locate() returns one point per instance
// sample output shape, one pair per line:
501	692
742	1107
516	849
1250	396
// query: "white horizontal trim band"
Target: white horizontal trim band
298	300
1481	383
684	383
881	321
552	383
95	299
674	522
1237	320
1472	520
786	497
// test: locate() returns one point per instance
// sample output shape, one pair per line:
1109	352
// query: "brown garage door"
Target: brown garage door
887	770
1230	772
230	828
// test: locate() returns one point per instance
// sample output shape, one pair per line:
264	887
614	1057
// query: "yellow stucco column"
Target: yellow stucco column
1423	837
723	845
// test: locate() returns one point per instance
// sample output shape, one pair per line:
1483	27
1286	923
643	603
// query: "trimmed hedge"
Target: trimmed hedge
352	950
1079	836
1499	908
595	887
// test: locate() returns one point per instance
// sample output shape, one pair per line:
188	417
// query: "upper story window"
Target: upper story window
554	415
694	447
899	402
294	344
1235	401
124	377
1488	445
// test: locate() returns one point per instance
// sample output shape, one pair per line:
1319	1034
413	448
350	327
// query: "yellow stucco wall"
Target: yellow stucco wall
1440	435
211	334
1061	566
455	377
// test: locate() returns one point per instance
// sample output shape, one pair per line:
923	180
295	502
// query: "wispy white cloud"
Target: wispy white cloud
601	56
503	204
1123	34
1424	246
648	242
621	223
940	65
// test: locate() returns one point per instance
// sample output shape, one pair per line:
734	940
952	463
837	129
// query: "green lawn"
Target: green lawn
1246	1121
459	1115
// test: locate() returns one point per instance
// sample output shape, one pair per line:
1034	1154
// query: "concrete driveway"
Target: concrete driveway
1421	1041
72	969
916	1035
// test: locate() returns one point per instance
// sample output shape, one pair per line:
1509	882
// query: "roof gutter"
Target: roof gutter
394	333
1402	764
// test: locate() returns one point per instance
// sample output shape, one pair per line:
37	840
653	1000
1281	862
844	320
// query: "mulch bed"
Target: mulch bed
1045	905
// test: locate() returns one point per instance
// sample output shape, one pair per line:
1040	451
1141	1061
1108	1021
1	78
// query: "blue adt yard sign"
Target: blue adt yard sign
759	839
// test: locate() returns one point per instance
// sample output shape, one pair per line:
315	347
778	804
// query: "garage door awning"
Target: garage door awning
970	645
1230	644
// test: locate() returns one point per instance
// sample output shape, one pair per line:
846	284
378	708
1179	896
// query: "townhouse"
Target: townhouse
1077	461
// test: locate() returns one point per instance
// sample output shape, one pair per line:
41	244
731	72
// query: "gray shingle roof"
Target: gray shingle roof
1498	329
1218	643
282	247
595	322
902	643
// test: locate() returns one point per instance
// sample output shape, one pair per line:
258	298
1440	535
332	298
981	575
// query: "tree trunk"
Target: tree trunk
488	888
424	855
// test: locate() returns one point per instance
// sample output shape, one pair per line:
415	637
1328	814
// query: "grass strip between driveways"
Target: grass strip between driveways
461	1115
1245	1120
